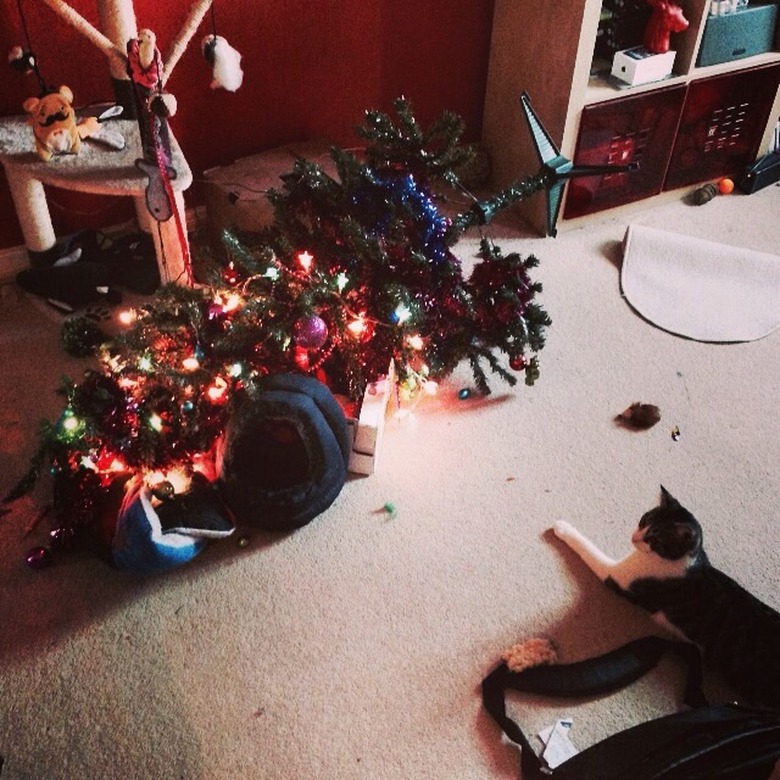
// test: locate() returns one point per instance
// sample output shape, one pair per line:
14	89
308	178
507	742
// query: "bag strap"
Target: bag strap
594	676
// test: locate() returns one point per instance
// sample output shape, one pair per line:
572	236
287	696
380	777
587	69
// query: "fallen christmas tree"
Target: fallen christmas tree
355	271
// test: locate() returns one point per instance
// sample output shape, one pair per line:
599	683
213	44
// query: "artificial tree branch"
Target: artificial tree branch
197	12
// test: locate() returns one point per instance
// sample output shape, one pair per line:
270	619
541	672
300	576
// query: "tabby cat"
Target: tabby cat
669	575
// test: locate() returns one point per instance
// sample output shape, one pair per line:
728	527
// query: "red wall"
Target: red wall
311	68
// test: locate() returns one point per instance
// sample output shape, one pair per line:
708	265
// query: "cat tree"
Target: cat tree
97	170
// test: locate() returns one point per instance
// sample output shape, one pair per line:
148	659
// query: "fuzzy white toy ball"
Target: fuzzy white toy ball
225	62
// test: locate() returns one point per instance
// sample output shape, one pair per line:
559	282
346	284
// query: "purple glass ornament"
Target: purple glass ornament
39	557
311	332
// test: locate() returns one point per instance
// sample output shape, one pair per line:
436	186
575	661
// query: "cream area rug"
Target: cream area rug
700	289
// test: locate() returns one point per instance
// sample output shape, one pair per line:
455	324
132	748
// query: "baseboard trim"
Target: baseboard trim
12	260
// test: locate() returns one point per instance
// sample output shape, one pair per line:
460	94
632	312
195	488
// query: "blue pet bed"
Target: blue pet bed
286	452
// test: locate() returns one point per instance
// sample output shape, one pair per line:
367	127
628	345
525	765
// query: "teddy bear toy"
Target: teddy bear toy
54	125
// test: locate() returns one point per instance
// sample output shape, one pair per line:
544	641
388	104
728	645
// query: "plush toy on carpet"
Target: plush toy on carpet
532	652
158	528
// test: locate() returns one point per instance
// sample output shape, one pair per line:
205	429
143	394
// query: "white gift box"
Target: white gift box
639	66
368	426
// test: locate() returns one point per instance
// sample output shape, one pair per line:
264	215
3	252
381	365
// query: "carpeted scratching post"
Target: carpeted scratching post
99	171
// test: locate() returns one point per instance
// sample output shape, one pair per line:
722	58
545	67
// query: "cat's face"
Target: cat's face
669	530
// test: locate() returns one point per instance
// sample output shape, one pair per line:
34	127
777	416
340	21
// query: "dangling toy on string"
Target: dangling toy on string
225	61
23	60
153	107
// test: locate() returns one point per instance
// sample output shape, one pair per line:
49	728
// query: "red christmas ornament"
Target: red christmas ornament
214	311
62	537
518	362
230	275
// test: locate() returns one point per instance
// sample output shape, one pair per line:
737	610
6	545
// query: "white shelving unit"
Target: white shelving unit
547	50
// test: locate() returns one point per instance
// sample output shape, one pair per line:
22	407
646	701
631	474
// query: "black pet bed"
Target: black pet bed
286	452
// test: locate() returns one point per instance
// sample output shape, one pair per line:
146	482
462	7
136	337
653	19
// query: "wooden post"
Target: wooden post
32	210
197	12
117	19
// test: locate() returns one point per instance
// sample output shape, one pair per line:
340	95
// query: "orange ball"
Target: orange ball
725	186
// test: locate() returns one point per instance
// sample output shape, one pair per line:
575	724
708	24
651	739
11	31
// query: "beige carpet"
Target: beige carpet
354	648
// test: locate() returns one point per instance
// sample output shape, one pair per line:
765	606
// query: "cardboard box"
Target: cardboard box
639	66
368	423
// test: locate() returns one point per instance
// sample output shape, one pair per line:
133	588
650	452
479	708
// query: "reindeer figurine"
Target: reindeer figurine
666	18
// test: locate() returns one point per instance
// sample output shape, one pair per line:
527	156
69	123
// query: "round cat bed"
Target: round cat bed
285	453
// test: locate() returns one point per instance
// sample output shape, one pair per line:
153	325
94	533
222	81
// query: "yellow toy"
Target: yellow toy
54	125
532	652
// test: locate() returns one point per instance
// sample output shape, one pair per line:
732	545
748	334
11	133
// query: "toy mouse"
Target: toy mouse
225	62
54	125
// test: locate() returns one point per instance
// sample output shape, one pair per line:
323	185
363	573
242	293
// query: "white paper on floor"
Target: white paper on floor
557	745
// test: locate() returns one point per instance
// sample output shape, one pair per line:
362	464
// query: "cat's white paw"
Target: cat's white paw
562	529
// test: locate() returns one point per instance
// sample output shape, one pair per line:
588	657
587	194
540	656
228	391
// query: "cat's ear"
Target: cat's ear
666	497
686	536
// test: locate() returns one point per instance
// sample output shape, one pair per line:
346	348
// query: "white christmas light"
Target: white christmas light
71	423
402	313
306	259
127	316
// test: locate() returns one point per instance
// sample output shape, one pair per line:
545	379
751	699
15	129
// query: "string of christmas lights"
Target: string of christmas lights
356	271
